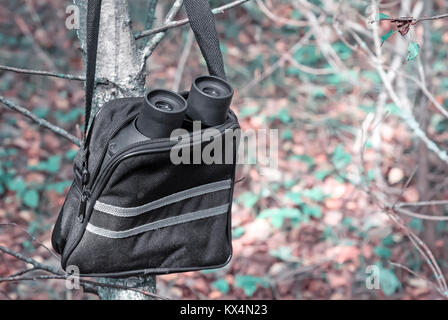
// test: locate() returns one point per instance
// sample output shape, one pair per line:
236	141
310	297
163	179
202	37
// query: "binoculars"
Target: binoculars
164	111
208	101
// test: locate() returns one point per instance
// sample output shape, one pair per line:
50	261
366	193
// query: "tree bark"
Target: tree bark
423	186
120	61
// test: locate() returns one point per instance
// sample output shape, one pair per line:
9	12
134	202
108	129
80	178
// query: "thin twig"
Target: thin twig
422	203
160	35
51	74
56	274
277	19
42	122
43	73
419	215
22	272
279	63
183	60
33	238
415	274
31	261
415	20
178	23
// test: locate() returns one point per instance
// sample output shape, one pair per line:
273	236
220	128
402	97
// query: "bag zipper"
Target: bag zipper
85	174
97	184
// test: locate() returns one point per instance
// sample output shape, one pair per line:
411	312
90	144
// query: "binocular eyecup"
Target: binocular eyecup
209	100
164	111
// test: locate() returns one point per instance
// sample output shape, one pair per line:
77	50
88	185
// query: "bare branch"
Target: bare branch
56	274
51	74
33	238
404	24
422	203
183	60
419	215
160	35
41	277
42	122
415	20
22	272
178	23
34	263
43	73
398	265
277	19
82	282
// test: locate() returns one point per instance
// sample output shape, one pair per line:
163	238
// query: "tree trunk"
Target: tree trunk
422	115
120	61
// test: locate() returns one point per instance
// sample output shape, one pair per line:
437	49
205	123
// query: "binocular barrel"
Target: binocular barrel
164	111
209	100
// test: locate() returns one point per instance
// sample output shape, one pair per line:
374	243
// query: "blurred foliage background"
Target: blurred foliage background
348	159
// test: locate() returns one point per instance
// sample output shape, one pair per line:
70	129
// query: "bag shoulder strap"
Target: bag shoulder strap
202	22
93	26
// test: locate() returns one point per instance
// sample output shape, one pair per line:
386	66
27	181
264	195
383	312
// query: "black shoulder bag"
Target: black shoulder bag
131	209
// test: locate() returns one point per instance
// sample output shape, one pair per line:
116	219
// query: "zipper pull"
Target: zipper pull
85	196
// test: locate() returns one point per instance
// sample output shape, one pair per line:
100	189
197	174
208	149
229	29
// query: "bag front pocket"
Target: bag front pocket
189	229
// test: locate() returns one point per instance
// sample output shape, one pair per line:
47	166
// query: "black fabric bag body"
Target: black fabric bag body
136	211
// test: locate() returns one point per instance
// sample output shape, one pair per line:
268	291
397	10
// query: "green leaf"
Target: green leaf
70	116
313	211
238	232
315	194
393	109
221	285
322	174
277	216
386	36
371	75
389	282
416	224
17	185
41	112
284	116
283	253
340	158
382	16
52	165
413	50
59	187
295	197
287	134
388	240
342	50
367	108
248	199
70	154
248	111
382	252
304	158
31	198
249	284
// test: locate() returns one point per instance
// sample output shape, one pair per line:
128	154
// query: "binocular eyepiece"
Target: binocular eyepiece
208	101
164	112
